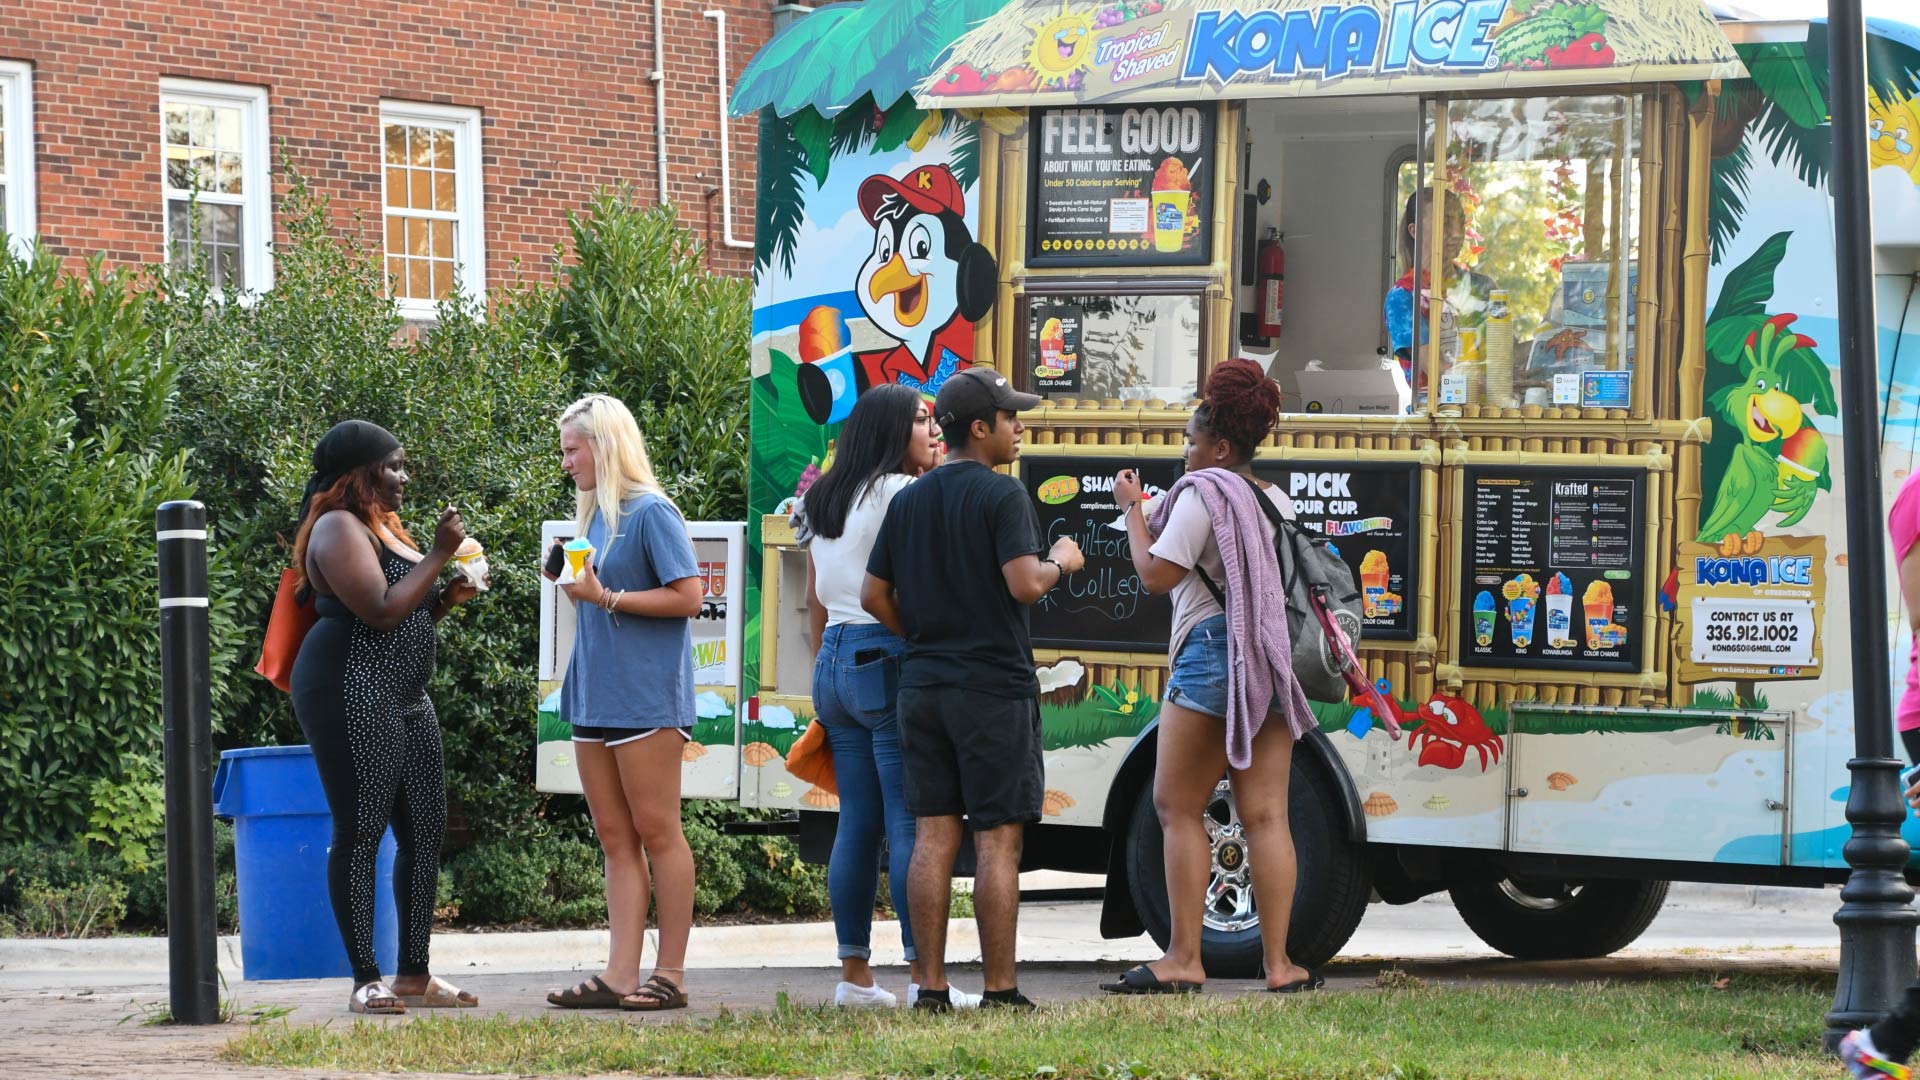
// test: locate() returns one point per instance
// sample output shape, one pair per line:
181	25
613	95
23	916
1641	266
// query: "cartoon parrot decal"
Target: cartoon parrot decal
924	285
1781	460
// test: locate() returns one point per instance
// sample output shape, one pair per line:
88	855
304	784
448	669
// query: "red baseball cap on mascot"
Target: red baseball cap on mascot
930	189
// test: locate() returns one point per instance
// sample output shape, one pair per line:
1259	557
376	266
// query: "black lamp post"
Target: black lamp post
1876	916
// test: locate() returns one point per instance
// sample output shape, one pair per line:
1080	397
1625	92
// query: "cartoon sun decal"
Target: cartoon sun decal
1062	44
1893	134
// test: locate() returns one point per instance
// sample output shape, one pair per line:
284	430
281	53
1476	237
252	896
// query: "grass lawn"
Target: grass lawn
1756	1026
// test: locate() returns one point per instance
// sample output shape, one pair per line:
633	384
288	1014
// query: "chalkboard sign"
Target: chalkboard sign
1122	186
1103	605
1370	513
1553	567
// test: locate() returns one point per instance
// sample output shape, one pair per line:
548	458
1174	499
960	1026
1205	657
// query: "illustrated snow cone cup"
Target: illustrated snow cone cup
471	559
1373	582
1053	343
1522	594
1560	611
578	552
1598	603
1483	616
1172	192
1802	456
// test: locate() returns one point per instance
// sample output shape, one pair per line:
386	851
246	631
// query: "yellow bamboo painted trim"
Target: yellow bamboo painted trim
1013	236
800	703
769	617
991	219
1648	682
775	529
1140	450
1654	460
1428	357
1428	454
1651	361
1696	261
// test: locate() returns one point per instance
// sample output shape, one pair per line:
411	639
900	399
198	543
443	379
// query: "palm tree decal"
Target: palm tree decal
1786	97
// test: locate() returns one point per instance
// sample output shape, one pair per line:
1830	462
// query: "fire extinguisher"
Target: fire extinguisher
1271	284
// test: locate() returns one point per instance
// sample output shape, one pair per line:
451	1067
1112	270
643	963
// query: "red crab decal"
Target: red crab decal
1448	726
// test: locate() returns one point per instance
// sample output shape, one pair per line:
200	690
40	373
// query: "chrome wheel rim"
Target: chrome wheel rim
1229	904
1554	896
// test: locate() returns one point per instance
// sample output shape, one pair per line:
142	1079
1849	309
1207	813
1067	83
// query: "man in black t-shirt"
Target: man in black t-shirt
953	569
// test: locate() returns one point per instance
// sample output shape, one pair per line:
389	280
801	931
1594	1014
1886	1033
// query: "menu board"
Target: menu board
1553	567
1103	605
1122	187
1056	348
1370	513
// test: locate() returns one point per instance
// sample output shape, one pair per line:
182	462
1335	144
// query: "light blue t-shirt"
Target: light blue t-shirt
636	672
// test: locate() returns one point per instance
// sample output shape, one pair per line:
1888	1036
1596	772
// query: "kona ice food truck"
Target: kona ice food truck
1596	516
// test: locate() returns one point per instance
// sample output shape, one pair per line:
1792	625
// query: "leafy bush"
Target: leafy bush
544	879
641	318
128	814
473	400
92	908
84	389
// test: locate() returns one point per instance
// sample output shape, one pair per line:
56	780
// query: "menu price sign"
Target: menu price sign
1103	605
1370	513
1122	186
1553	567
1056	348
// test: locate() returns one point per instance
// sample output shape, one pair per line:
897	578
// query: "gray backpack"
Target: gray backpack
1321	595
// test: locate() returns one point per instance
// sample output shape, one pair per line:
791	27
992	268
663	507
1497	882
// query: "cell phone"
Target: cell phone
868	656
1908	776
556	560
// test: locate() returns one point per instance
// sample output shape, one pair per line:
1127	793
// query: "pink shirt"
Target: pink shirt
1903	524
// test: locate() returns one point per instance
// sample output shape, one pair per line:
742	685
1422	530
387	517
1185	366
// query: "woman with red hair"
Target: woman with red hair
360	694
1233	705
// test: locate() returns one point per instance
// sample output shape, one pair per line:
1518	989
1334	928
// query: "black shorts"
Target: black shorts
973	754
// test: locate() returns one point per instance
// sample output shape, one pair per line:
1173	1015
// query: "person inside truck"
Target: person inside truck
889	439
1233	705
1465	292
956	564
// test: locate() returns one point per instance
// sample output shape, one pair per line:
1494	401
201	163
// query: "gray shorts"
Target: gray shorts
973	754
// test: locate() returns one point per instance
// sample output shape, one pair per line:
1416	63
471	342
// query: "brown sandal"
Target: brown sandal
657	994
589	994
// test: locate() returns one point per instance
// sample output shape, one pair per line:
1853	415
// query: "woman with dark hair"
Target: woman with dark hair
360	694
1233	705
890	437
1465	295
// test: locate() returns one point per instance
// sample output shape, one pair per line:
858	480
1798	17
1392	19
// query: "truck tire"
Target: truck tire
1541	919
1330	895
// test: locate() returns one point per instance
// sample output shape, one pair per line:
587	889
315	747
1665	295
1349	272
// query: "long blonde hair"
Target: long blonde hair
620	466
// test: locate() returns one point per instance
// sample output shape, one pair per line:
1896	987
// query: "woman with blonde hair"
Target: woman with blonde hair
628	695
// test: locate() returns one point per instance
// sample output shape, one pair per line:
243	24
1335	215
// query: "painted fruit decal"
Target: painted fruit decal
1552	35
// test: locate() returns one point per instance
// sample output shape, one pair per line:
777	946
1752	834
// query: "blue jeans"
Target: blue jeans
864	735
1199	677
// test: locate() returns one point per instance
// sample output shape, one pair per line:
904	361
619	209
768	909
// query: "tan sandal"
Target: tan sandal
440	994
374	999
657	994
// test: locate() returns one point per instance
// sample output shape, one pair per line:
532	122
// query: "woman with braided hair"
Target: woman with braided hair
1233	705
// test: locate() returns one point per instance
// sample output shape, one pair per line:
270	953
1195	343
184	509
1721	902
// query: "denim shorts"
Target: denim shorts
1199	677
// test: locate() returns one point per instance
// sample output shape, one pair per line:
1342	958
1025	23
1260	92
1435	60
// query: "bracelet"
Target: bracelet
1049	560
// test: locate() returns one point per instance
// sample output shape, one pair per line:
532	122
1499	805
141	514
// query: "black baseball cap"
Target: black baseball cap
975	392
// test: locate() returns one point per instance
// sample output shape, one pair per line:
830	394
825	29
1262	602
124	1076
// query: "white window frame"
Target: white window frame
256	200
469	222
17	165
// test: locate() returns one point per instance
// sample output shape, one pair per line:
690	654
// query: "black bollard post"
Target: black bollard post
1876	916
186	703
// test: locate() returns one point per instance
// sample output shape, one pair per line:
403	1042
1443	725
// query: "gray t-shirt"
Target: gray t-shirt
1188	541
636	672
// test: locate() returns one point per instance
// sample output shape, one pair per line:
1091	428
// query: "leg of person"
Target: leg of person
900	830
930	773
419	829
1260	794
650	774
1191	759
627	885
853	870
1002	778
337	713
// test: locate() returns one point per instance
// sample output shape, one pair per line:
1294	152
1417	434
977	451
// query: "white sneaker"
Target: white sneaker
960	998
848	996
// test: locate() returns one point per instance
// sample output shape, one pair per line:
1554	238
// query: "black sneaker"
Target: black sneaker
933	1001
1006	999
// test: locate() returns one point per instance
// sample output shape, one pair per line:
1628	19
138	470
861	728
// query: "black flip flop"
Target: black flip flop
1313	981
1142	980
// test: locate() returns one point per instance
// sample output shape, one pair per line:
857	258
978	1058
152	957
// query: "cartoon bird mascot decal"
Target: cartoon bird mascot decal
924	285
1781	460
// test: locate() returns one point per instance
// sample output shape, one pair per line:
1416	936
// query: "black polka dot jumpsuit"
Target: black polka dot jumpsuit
360	695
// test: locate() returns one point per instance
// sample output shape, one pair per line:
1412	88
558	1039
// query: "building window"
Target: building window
214	154
431	180
16	154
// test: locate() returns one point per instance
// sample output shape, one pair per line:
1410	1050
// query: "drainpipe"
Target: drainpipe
659	77
726	154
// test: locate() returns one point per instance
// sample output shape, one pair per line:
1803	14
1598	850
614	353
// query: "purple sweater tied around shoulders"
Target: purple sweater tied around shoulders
1259	648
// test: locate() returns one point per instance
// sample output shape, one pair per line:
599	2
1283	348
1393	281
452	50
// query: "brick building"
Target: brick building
461	131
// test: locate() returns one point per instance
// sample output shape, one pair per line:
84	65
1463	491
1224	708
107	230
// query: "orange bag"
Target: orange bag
286	628
811	759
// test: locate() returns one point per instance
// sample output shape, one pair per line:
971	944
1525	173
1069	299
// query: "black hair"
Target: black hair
1241	405
872	444
1420	197
960	432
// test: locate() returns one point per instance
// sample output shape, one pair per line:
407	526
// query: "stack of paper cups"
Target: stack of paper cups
1499	345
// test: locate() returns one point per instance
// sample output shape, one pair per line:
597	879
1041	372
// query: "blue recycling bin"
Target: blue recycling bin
282	831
